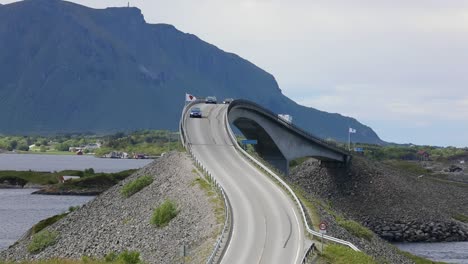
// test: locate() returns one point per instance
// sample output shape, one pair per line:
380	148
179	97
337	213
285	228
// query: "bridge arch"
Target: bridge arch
279	142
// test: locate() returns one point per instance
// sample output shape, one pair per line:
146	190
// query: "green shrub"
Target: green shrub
13	180
129	257
46	222
338	254
126	257
73	208
163	214
461	218
355	228
136	185
42	240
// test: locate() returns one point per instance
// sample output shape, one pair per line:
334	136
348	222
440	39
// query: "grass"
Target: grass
215	199
51	178
338	254
355	228
164	213
42	240
412	167
34	177
48	152
126	257
418	259
461	217
296	162
46	222
310	206
136	185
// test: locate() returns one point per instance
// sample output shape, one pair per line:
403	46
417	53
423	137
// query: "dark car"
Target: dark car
228	100
211	100
195	113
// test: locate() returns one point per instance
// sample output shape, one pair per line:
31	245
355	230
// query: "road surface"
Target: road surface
266	224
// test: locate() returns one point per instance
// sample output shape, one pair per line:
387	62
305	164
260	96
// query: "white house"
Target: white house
65	178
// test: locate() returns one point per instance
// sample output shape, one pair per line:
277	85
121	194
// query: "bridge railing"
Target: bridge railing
226	232
286	186
270	114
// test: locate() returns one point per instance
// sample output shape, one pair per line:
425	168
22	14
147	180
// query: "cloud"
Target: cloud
378	102
384	62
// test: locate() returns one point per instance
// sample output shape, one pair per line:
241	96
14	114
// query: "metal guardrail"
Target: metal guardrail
286	186
309	251
227	227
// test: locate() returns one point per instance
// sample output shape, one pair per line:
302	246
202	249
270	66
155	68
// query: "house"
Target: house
139	156
74	149
116	155
92	146
65	178
423	155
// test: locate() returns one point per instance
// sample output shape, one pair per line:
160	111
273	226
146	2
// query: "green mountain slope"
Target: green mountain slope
68	68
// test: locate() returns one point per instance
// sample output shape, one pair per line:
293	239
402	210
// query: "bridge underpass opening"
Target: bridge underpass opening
265	147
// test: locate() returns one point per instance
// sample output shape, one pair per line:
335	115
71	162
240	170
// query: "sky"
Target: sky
400	67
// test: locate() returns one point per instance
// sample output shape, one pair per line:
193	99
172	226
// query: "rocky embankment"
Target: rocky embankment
113	223
396	205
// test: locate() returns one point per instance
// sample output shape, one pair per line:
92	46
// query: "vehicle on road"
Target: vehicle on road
195	112
211	100
228	100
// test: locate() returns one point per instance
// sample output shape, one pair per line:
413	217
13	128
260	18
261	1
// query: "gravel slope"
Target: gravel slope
397	205
112	223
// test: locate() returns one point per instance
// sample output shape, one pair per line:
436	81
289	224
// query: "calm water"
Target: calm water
19	210
67	162
453	252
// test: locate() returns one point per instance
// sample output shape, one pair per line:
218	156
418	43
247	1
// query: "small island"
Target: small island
68	182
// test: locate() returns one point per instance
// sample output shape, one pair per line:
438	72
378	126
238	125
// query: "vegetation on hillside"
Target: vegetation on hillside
409	152
42	240
338	254
36	177
126	257
136	185
89	179
461	217
46	222
149	142
164	213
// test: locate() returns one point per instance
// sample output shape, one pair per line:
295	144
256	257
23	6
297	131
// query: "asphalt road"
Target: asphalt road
266	224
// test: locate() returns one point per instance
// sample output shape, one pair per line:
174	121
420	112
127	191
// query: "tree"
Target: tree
13	144
23	147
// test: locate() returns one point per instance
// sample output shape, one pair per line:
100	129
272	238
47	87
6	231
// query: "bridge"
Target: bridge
267	226
279	141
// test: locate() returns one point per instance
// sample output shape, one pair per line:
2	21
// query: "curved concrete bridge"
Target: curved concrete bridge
279	142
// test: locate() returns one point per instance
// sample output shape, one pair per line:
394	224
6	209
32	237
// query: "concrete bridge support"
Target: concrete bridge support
278	141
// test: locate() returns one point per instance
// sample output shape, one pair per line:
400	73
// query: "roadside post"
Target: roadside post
323	230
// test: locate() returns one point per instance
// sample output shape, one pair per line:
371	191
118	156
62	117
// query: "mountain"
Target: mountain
70	68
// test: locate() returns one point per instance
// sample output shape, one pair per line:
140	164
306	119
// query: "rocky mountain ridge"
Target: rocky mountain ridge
69	68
